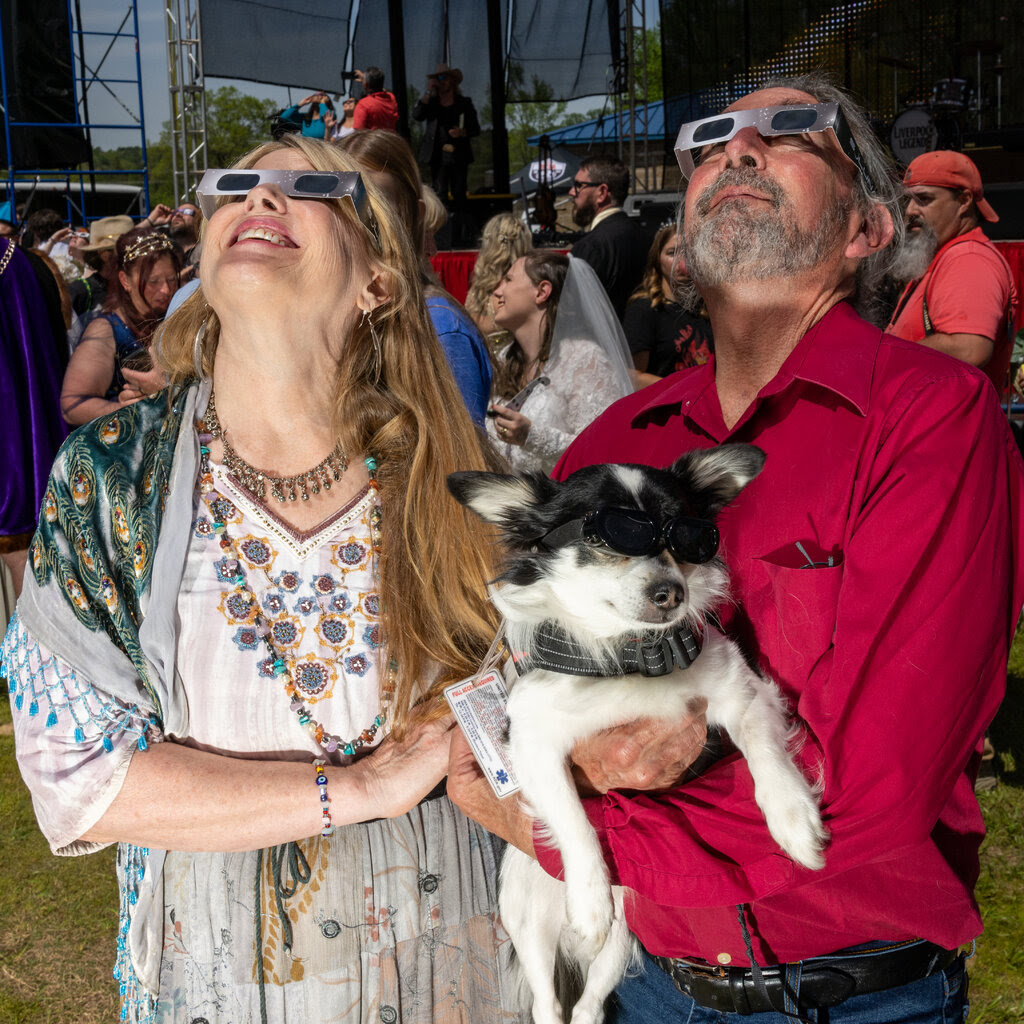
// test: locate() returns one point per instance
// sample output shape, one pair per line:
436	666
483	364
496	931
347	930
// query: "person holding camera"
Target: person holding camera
378	108
311	123
451	122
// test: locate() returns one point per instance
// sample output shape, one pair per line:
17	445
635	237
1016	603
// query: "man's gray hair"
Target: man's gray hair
885	188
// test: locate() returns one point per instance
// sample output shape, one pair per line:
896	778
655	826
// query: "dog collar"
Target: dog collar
653	654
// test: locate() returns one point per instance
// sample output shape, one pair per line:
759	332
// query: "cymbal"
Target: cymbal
979	46
897	62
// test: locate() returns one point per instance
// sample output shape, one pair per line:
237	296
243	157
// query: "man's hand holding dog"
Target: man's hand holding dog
645	754
470	791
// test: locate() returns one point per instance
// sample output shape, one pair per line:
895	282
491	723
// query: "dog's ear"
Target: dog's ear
716	475
509	502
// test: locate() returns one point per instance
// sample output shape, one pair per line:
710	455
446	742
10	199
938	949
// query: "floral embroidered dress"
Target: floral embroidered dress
384	921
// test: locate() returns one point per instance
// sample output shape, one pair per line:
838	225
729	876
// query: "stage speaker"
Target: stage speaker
40	86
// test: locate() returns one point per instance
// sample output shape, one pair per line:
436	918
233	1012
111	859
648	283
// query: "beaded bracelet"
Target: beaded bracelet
325	804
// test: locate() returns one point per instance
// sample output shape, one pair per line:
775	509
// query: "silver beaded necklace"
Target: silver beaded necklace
283	488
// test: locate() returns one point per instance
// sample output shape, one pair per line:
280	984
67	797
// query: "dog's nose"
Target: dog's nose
665	594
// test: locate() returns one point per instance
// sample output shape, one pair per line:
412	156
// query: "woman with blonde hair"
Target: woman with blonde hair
504	239
246	597
663	335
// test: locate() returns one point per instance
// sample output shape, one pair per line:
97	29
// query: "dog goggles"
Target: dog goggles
634	533
790	119
295	184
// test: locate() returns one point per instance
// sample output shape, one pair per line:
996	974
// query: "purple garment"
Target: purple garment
31	427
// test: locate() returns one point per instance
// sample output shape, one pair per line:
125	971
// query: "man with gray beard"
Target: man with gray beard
890	507
960	298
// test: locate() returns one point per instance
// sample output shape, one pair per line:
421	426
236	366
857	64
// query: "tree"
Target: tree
235	123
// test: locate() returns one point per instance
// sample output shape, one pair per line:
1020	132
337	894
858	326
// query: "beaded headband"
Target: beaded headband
146	246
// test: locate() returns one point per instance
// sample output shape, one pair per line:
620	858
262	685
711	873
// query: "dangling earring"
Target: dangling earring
197	349
378	355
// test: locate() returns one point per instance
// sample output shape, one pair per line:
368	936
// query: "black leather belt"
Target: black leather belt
808	984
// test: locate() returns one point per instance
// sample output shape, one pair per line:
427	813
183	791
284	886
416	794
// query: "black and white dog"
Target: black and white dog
610	581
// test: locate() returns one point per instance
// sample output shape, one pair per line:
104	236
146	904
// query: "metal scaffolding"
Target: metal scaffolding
187	95
630	86
85	190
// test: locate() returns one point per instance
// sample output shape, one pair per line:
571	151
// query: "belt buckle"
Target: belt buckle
704	970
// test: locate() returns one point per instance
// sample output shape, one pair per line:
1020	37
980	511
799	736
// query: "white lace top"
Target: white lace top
583	384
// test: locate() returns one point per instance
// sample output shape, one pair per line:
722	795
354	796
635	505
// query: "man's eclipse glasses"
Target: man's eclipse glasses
791	119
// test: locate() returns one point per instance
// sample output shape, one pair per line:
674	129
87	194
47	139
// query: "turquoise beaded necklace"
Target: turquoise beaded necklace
327	740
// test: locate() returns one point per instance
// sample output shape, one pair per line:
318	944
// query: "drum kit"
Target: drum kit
935	123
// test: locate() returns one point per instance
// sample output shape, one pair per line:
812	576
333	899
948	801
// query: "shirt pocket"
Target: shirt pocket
796	617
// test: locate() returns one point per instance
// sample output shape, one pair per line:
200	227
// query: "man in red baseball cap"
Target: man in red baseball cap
961	297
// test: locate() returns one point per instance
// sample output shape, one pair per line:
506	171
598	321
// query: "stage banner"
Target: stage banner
299	43
566	45
424	27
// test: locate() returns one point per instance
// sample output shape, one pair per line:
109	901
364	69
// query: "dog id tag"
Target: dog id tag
478	704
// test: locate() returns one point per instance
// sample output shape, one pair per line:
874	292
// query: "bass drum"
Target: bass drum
913	133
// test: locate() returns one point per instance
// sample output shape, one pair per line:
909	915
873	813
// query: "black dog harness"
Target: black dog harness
651	654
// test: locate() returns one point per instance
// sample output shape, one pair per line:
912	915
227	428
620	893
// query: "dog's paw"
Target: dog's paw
794	821
590	909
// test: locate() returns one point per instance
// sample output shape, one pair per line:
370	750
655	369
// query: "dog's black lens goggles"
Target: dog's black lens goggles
634	533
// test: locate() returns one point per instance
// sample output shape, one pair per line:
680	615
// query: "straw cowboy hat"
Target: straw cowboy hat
104	233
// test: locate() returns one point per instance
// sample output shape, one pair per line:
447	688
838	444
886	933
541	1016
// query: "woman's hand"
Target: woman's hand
648	753
141	384
400	773
470	791
512	427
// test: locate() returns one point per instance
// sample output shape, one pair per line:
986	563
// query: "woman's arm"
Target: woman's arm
89	375
100	770
179	798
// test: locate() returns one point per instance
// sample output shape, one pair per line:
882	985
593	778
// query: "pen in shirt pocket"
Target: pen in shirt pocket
810	563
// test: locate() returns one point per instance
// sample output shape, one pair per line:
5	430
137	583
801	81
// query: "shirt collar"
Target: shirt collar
604	215
838	353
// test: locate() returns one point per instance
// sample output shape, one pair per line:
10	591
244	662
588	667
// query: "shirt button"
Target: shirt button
428	884
388	1015
724	958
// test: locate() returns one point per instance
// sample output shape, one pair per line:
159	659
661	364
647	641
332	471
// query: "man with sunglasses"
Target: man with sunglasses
614	245
876	570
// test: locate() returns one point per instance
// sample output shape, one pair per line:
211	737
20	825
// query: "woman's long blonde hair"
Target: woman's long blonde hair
436	559
504	239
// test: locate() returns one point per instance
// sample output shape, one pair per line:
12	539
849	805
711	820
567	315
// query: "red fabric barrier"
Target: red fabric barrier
455	269
1013	253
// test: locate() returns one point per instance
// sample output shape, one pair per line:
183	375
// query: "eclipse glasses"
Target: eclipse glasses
791	119
634	533
295	184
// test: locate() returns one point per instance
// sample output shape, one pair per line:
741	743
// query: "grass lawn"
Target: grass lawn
59	915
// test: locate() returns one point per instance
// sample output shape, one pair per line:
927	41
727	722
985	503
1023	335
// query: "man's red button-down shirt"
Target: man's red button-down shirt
893	461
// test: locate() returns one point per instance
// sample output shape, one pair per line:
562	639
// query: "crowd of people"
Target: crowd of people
244	587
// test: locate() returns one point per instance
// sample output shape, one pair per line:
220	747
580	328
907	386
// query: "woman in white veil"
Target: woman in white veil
569	360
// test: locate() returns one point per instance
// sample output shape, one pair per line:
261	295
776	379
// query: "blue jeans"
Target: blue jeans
651	996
